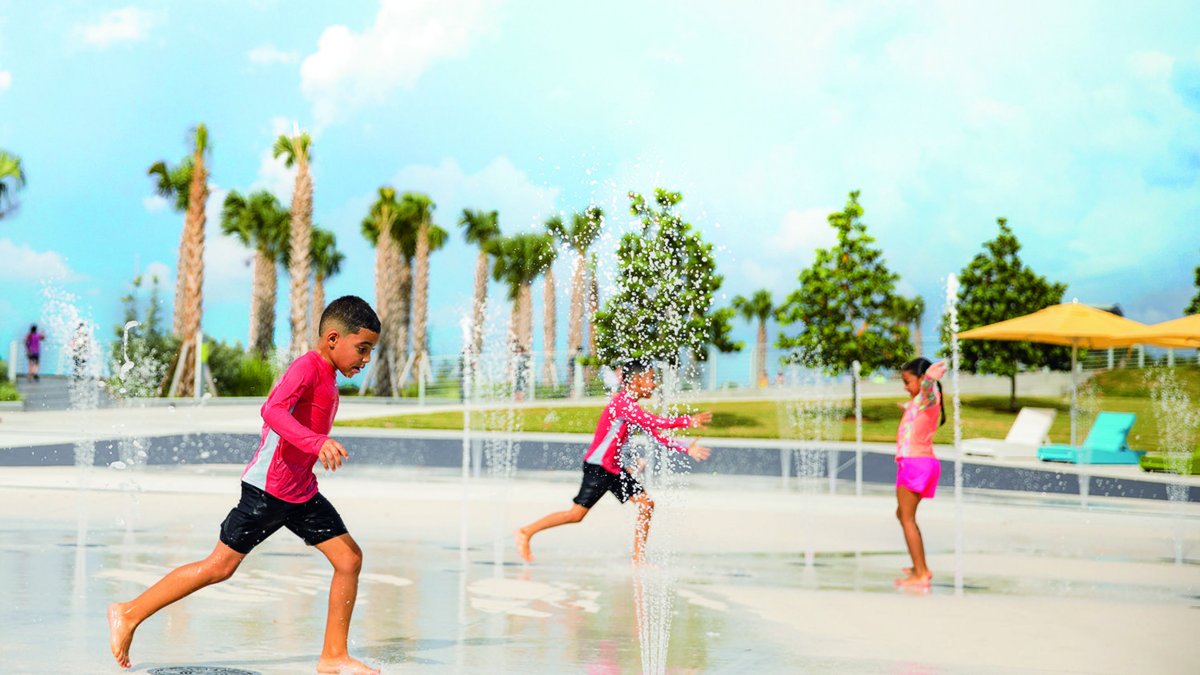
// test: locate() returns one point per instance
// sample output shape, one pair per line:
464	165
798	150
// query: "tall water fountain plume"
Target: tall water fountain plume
952	287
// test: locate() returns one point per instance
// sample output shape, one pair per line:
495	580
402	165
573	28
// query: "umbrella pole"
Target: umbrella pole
1074	387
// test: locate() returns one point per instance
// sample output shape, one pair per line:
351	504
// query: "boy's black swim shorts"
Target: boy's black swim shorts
258	515
597	480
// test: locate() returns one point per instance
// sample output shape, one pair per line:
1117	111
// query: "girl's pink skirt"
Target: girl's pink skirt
918	474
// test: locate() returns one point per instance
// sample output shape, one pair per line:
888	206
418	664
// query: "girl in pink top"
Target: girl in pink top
917	469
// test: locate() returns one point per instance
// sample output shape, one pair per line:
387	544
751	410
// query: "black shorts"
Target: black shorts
33	358
258	515
597	480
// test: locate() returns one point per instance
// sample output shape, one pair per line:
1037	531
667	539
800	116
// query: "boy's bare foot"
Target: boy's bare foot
521	537
120	634
915	581
907	571
345	666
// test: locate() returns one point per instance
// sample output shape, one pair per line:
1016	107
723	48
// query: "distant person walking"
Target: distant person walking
33	352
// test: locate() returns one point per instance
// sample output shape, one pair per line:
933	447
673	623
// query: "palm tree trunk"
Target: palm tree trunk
318	307
593	307
550	329
193	287
762	353
420	296
387	298
526	319
917	338
301	269
402	318
481	281
181	274
575	314
262	305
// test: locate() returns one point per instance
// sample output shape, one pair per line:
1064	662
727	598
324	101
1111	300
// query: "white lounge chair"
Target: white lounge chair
1029	432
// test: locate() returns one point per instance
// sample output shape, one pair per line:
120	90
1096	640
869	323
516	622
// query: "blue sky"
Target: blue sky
1078	121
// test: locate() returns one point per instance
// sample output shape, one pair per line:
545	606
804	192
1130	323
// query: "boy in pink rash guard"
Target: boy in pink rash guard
279	489
917	469
602	471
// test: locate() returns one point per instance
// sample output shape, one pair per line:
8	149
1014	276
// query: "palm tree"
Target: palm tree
758	307
261	223
12	178
175	182
480	228
519	259
593	303
417	209
297	151
192	264
554	229
585	227
381	227
327	262
912	311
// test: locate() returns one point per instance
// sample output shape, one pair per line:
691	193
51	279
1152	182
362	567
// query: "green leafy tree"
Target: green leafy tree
996	286
326	263
12	178
758	307
666	280
719	331
847	303
1194	307
140	353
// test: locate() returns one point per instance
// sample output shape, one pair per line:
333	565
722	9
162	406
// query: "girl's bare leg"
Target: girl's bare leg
906	512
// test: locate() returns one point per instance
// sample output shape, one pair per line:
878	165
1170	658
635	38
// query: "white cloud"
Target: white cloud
23	263
128	24
273	176
5	80
165	275
269	54
801	233
500	185
1151	64
226	260
408	36
155	203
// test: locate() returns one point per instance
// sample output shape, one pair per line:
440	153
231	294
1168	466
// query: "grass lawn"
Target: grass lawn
983	416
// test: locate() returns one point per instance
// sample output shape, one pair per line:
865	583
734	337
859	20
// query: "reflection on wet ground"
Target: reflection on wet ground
766	581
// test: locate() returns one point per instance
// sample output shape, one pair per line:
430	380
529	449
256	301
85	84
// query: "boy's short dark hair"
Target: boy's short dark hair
636	366
351	314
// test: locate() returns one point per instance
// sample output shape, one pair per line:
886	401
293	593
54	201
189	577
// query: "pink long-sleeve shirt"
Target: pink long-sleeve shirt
612	431
297	418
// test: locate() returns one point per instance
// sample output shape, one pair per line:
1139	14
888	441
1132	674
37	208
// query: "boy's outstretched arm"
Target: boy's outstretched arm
635	414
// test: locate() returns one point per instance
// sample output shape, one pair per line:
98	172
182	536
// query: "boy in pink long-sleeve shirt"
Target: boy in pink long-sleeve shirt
602	471
279	489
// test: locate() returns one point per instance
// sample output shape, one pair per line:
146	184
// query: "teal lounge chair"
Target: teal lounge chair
1106	443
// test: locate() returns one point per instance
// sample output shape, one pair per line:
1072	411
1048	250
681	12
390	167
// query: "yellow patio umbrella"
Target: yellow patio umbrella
1179	333
1070	324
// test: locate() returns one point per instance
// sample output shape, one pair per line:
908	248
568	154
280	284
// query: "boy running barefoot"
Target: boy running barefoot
279	489
601	471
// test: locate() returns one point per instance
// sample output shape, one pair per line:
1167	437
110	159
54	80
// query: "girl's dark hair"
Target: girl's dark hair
917	368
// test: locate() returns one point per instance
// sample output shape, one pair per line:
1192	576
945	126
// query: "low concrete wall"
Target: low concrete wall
562	452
